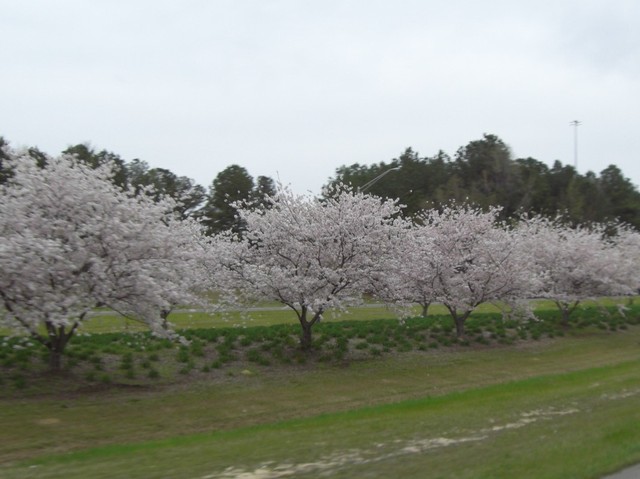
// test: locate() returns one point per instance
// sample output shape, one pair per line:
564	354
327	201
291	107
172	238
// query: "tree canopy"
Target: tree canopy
310	254
72	241
232	186
485	173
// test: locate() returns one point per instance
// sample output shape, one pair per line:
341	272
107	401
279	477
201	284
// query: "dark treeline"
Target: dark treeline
485	173
211	206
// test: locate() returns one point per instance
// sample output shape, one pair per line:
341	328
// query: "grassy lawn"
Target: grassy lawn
578	424
561	406
275	313
271	313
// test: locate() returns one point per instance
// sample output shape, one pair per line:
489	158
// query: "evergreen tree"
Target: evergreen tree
85	153
231	185
623	199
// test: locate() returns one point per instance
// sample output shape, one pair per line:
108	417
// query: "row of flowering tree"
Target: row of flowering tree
462	257
72	242
312	254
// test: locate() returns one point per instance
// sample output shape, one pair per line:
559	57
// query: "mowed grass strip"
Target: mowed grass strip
106	322
577	424
258	410
48	422
268	314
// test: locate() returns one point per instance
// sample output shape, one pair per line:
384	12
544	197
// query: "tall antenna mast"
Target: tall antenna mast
575	124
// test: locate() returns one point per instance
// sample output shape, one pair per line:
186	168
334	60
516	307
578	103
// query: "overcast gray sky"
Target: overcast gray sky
294	89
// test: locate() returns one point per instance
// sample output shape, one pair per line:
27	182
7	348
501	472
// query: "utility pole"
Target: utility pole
575	124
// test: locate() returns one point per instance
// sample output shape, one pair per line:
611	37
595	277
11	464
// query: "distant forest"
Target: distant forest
483	172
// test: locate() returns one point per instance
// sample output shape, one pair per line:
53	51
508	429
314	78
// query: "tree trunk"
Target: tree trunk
305	336
57	341
460	326
458	320
55	360
425	309
566	310
56	344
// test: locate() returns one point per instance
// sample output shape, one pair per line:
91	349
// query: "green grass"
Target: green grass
109	322
122	357
564	405
579	424
49	425
106	321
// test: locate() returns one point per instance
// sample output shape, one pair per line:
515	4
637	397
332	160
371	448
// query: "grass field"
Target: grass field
268	314
561	406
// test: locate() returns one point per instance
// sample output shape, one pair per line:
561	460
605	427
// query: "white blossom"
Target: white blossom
582	262
72	241
461	257
308	253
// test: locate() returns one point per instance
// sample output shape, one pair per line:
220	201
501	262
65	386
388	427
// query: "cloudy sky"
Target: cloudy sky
292	89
